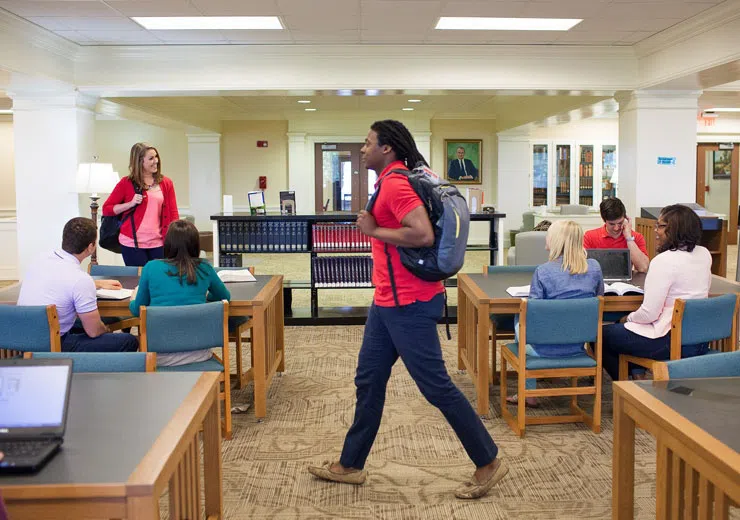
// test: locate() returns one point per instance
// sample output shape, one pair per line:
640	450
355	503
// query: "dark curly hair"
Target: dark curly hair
683	228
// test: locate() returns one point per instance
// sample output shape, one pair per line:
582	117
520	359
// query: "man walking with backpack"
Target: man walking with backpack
402	322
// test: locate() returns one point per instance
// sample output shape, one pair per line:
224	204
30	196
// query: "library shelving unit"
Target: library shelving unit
340	255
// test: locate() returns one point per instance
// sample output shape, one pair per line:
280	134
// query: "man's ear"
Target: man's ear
387	148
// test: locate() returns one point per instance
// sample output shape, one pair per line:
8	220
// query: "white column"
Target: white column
53	133
300	173
514	166
423	144
204	166
655	124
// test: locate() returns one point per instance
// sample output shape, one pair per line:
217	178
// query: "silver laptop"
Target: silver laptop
616	264
34	397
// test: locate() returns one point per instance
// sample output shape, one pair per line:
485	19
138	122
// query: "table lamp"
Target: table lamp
94	178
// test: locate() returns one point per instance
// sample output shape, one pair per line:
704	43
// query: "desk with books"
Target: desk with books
480	295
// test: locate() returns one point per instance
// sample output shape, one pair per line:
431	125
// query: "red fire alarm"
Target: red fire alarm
261	144
263	182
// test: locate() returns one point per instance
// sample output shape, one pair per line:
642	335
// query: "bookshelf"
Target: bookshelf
586	176
562	172
340	254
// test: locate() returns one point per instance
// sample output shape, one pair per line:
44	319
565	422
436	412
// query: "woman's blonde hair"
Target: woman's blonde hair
136	162
565	239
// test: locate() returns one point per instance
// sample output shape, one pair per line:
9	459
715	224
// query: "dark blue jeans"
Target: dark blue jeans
409	331
618	340
110	342
134	256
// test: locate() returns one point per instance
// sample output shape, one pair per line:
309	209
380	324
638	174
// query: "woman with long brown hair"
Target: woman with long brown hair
181	278
150	196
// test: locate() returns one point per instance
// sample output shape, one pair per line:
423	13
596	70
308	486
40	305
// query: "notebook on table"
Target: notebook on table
616	264
34	397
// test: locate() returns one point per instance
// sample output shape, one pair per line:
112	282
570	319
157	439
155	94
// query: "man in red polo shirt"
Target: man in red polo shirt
616	233
405	326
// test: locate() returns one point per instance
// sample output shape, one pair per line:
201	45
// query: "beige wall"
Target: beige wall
7	172
484	129
242	162
113	141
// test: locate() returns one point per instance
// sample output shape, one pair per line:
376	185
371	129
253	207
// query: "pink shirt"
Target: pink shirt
671	275
148	234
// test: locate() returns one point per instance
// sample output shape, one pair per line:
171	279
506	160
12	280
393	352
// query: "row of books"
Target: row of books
230	260
262	237
339	237
342	271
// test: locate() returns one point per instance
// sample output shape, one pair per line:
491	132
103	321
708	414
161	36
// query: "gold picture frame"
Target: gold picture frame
464	161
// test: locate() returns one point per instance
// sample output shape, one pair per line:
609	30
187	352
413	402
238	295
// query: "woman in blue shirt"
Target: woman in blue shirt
181	278
568	274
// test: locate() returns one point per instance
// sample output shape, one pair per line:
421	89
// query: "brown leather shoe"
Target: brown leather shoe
474	489
324	472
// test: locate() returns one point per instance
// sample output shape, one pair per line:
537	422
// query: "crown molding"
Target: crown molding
15	29
111	110
695	26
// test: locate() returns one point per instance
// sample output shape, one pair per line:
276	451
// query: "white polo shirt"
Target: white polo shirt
58	279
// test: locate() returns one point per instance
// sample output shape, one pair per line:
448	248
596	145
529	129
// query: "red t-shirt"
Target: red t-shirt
395	200
599	239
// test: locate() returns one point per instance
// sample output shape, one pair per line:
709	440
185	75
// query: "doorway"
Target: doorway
343	184
717	182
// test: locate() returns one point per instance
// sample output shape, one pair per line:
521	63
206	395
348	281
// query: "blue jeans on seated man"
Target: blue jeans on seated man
617	339
109	342
531	383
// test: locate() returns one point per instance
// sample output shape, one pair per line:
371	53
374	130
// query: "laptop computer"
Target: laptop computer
34	397
616	264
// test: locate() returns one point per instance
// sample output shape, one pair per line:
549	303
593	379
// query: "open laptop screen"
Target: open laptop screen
616	264
33	396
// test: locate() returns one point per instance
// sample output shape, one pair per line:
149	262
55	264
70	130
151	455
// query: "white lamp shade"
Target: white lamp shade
96	178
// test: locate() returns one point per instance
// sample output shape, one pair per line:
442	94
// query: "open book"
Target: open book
114	294
621	289
238	275
521	291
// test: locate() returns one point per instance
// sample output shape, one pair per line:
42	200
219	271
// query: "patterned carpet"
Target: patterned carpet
561	471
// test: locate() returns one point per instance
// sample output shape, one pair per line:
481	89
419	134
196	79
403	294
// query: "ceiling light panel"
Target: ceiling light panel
221	23
465	23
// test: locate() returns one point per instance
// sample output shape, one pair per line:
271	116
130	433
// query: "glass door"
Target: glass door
342	183
586	175
562	174
609	179
717	182
539	174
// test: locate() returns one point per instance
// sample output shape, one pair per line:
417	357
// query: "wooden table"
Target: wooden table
129	437
480	295
261	300
698	445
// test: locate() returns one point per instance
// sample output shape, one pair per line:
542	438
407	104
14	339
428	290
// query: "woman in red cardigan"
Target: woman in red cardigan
151	197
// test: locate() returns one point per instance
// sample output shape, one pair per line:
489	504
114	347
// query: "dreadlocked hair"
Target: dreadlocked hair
398	137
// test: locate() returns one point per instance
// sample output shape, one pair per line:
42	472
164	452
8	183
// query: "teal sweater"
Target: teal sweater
157	288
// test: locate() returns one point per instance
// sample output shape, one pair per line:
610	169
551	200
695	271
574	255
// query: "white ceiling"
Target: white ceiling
605	22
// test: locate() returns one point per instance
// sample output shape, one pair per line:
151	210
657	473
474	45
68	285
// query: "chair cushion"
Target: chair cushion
540	363
237	321
203	366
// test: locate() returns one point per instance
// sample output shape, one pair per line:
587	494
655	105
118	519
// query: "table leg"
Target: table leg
280	330
482	359
260	363
462	317
142	508
623	463
212	470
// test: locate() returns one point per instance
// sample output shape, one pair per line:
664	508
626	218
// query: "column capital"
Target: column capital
296	137
422	137
31	100
205	137
658	99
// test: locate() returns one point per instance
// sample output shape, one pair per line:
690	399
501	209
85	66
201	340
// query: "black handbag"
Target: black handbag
110	227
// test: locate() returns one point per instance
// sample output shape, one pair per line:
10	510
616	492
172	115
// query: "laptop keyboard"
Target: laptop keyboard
24	449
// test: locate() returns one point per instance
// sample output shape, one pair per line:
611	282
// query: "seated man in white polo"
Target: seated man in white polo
57	278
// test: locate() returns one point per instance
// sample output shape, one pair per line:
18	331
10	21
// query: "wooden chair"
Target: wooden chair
32	328
723	364
83	362
555	322
184	328
502	324
705	320
238	326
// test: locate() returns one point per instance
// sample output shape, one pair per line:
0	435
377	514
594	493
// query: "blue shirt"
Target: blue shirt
550	282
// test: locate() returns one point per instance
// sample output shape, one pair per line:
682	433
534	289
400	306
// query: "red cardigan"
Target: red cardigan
124	192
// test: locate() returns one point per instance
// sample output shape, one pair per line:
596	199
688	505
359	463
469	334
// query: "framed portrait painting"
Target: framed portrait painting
722	167
463	160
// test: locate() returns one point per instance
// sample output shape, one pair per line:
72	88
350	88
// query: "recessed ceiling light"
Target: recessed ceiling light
407	109
310	109
304	101
5	112
414	100
164	23
344	92
372	92
727	109
469	23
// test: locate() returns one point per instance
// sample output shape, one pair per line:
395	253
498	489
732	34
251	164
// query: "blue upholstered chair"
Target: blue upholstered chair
33	328
723	364
103	361
238	326
555	322
705	320
114	270
502	324
184	328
